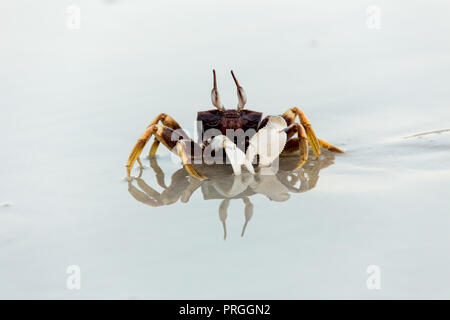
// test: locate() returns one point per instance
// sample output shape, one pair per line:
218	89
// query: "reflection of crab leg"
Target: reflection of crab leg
194	184
160	177
178	178
171	139
141	196
291	178
140	163
302	142
151	197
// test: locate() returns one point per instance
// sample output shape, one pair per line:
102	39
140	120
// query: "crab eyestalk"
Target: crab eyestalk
242	97
215	97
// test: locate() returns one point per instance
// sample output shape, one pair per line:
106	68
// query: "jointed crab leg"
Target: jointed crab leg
140	144
153	149
302	142
185	159
166	120
329	146
169	137
290	116
293	146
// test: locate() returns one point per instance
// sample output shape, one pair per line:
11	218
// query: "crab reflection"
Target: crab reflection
224	185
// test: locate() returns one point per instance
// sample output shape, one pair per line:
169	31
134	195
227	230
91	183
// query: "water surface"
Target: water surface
74	102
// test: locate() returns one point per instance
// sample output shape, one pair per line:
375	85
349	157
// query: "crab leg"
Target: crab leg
292	145
186	160
153	149
329	146
290	116
302	142
166	120
137	149
170	138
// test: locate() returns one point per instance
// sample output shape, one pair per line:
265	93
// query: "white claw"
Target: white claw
268	142
235	155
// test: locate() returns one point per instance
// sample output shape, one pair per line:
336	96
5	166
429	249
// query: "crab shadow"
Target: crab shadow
224	185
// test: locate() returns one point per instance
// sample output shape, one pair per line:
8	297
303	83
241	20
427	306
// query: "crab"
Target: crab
239	132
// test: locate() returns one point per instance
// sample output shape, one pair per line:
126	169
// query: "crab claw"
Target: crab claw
268	142
235	155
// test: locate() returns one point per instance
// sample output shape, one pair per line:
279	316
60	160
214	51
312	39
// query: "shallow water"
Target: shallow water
74	102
